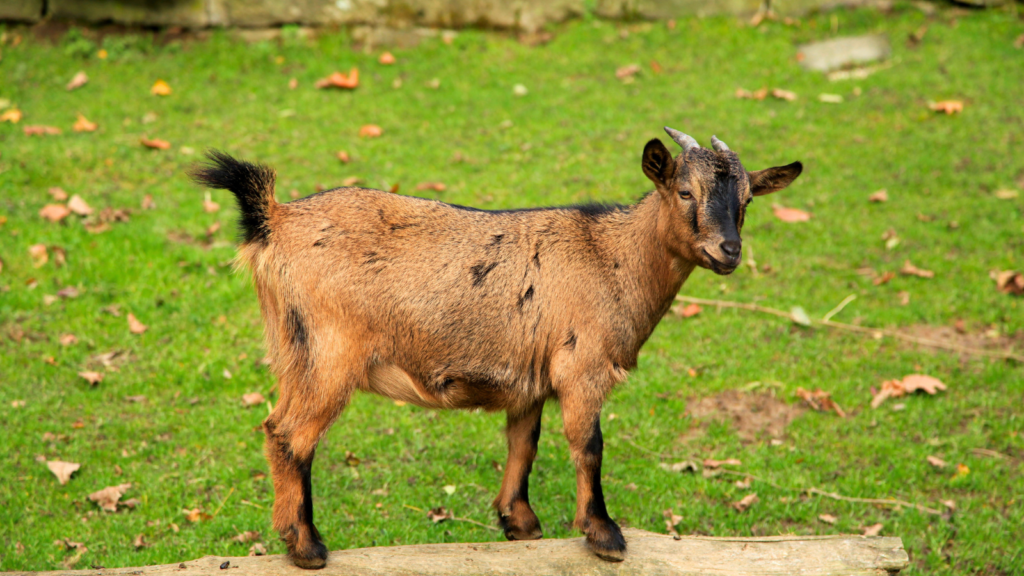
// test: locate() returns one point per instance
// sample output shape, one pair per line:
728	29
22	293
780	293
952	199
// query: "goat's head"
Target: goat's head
706	193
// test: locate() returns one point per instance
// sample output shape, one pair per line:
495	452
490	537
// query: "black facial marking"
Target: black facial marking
724	206
480	271
694	225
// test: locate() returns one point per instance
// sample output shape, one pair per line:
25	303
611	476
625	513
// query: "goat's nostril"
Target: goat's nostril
731	248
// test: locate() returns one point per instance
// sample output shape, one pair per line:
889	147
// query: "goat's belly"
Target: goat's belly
453	393
393	382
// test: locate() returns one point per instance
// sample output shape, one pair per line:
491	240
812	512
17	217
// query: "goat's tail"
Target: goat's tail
252	185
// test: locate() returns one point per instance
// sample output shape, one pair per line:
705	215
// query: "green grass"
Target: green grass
577	135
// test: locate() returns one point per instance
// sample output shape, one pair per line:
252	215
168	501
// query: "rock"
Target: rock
372	37
840	52
663	9
21	10
186	13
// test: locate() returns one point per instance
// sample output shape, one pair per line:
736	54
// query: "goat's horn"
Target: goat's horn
687	142
718	144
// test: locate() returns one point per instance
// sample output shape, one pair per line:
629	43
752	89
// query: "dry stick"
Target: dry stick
872	331
884	501
452	517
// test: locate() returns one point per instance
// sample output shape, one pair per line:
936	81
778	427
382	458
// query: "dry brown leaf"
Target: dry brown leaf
627	71
790	214
936	462
246	537
134	325
690	311
58	193
947	106
351	181
62	470
884	278
1009	281
252	399
962	470
873	530
386	59
12	115
783	94
439	514
746	502
212	229
709	463
755	95
55	212
339	80
909	269
435	186
820	400
92	378
160	88
41	130
685	466
77	81
879	196
909	384
210	206
147	202
293	83
136	399
155	143
257	549
343	156
656	67
140	542
83	125
39	255
195	515
79	206
60	258
107	498
671	521
1006	194
68	339
828	518
370	131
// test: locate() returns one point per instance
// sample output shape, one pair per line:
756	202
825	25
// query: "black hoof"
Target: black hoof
607	543
521	529
312	557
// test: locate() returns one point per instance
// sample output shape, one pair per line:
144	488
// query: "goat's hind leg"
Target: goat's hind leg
306	410
513	502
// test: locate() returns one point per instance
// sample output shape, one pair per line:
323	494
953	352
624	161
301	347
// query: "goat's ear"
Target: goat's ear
658	164
773	179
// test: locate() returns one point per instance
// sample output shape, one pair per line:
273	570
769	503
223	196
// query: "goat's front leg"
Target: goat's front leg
513	502
582	420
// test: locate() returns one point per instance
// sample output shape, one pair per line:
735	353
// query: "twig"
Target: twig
452	517
883	501
875	332
223	502
839	307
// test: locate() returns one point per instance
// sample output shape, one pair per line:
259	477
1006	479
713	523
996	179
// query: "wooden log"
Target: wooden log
648	555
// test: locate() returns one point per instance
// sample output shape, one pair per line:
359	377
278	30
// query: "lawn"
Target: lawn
449	113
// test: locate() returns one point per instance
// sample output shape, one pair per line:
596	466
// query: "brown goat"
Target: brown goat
444	306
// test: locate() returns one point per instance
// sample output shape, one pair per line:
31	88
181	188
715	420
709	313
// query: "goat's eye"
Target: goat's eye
685	194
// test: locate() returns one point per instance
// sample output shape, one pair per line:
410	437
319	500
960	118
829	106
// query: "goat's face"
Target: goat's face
706	193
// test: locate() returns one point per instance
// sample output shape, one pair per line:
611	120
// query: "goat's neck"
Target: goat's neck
650	274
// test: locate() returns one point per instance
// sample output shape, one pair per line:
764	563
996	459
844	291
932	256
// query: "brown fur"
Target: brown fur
450	307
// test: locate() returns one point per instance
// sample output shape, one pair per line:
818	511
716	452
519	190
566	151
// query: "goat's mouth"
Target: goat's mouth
719	267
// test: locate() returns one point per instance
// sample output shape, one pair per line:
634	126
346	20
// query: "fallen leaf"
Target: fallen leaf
139	542
627	71
12	115
1009	282
55	212
435	186
744	484
879	196
936	462
92	378
209	206
134	325
746	502
820	401
41	130
38	254
343	156
909	384
79	206
439	514
690	311
195	515
755	95
136	399
520	90
684	466
68	339
147	202
394	188
155	143
370	131
62	470
828	518
212	229
830	98
351	459
83	125
884	278
160	88
77	81
709	463
351	181
655	67
17	403
386	59
909	269
873	530
107	498
784	94
961	470
1006	194
449	489
257	549
799	316
947	106
246	537
58	194
339	80
252	399
790	214
671	521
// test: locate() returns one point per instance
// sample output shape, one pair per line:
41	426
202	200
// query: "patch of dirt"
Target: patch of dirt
958	335
752	415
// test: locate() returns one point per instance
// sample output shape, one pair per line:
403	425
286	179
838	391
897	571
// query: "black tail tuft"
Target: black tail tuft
252	185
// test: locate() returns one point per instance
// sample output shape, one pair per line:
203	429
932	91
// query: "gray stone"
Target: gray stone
662	9
187	13
840	52
21	10
372	37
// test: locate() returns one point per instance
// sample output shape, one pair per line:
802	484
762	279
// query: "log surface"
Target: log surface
648	554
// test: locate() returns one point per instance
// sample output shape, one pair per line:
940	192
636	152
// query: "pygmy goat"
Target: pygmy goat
445	306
